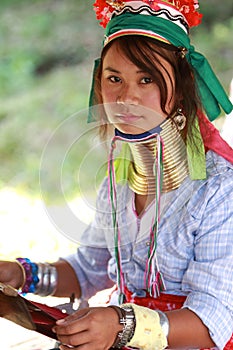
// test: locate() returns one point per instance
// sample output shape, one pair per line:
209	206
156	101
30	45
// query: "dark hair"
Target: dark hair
146	54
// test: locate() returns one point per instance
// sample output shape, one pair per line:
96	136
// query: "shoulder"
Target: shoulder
217	166
219	174
215	193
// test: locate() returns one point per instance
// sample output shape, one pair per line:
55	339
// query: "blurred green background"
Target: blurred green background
46	53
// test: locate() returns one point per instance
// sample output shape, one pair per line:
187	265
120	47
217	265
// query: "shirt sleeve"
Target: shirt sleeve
90	266
209	277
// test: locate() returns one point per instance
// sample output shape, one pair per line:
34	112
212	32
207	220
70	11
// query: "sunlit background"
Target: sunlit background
46	56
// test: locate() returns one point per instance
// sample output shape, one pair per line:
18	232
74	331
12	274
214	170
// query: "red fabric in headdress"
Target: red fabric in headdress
212	138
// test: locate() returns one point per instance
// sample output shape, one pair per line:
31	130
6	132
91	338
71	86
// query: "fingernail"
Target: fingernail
60	321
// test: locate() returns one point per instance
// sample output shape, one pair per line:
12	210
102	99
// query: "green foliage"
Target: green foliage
215	11
45	70
41	35
214	39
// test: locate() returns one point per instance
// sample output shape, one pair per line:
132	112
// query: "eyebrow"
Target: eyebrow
113	70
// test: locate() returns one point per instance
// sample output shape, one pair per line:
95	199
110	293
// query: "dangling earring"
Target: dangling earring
179	119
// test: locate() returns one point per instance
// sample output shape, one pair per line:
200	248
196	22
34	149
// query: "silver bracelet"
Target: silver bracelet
47	275
164	322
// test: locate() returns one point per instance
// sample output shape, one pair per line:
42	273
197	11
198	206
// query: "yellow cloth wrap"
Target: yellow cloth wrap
148	332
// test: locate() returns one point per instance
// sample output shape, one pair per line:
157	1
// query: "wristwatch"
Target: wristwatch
127	319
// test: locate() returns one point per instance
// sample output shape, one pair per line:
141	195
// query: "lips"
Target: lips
127	117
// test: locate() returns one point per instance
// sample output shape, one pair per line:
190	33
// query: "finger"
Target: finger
66	347
69	319
74	340
87	346
76	315
67	327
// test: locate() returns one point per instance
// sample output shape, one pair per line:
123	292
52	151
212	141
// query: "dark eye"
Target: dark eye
114	79
146	80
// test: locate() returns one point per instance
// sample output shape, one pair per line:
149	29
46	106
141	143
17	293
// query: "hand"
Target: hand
90	328
11	273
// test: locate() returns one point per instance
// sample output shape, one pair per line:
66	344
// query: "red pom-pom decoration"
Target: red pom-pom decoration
188	8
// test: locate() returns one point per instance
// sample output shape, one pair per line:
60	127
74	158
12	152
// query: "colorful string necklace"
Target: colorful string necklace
153	278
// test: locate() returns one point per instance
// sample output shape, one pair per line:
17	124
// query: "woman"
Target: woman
166	239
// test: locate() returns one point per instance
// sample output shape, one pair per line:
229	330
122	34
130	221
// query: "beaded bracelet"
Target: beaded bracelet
31	277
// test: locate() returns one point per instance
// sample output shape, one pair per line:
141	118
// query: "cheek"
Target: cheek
108	94
107	97
152	100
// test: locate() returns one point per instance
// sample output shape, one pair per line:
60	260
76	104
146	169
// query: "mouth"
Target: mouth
128	118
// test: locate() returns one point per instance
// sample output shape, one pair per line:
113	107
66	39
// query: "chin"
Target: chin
129	129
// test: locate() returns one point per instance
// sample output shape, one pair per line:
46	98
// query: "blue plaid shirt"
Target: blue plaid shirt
194	245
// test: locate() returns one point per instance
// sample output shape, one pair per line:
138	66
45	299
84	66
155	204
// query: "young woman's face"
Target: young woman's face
131	97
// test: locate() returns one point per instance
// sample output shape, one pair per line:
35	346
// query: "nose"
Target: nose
128	95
